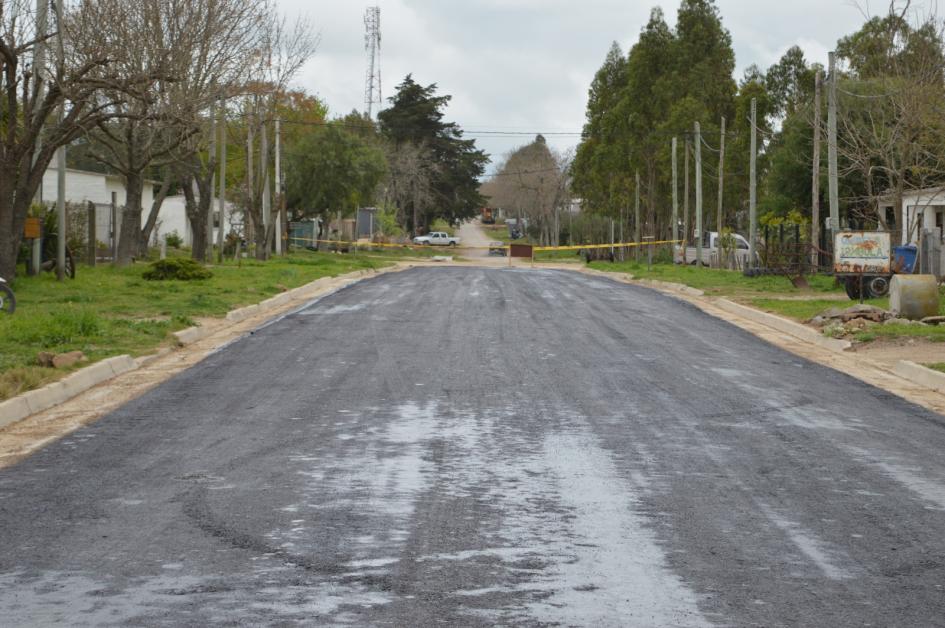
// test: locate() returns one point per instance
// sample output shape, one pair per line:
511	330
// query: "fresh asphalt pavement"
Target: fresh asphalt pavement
462	446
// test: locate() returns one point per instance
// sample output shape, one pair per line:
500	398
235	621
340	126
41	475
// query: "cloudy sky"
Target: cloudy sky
525	65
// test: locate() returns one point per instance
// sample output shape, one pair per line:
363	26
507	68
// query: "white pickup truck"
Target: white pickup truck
437	238
710	250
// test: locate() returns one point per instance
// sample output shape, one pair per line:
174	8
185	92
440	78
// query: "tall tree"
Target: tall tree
332	170
416	117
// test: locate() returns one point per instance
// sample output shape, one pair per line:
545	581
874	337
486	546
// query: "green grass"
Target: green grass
931	333
720	282
107	311
940	366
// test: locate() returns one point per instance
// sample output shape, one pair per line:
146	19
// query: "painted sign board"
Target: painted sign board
862	252
32	228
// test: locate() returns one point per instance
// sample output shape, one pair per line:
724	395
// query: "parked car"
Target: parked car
437	238
710	250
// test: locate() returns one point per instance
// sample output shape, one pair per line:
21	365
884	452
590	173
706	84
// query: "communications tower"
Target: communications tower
372	44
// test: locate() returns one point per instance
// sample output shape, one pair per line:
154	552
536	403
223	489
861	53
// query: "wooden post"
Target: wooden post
636	218
222	198
753	185
719	218
675	222
686	204
92	236
815	178
832	146
698	141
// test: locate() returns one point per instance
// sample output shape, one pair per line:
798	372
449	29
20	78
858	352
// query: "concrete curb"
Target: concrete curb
672	287
782	324
920	375
20	407
190	335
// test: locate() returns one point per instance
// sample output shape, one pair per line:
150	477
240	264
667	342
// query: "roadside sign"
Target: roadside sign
862	252
32	228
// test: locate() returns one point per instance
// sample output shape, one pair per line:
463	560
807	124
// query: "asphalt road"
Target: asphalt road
454	446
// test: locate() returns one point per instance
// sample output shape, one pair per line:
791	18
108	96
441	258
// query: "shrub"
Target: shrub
174	240
180	268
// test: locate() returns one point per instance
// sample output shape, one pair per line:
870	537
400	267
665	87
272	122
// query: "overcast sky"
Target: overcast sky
526	65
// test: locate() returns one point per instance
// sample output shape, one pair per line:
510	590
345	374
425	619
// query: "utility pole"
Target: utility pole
248	229
61	164
686	202
718	217
39	65
221	200
675	222
698	131
753	184
832	146
266	200
815	177
279	225
208	255
636	217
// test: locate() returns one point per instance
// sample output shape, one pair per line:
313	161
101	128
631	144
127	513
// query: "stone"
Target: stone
933	320
65	360
833	312
818	321
45	358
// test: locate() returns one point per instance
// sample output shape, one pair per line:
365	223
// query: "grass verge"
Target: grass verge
939	366
109	311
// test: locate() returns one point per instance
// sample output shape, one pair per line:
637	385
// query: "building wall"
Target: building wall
173	217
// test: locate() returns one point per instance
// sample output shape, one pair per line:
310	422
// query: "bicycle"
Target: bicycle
7	299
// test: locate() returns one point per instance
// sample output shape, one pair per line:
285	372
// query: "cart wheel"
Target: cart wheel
877	287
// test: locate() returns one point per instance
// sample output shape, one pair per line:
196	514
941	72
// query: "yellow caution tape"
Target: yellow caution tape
576	247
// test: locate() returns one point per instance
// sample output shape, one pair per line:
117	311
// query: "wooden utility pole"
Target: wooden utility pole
815	177
753	184
266	190
61	163
248	227
39	65
675	222
685	237
221	200
279	219
718	217
208	255
636	217
832	146
698	140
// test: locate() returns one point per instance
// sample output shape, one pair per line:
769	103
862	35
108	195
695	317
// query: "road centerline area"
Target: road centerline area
481	446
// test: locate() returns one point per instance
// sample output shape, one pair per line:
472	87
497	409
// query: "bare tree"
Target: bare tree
892	129
412	173
37	78
282	51
200	48
533	183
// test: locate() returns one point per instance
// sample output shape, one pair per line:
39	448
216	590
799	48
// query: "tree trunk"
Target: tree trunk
128	238
198	222
153	215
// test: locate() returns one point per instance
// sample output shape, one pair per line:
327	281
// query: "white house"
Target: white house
173	217
83	186
920	209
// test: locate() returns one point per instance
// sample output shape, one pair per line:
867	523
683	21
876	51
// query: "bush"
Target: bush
174	240
180	268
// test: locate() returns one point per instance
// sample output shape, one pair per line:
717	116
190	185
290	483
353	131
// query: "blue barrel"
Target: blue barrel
904	258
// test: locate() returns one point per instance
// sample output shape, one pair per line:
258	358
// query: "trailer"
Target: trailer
865	262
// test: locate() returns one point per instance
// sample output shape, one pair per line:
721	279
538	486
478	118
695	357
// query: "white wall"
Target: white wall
173	217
